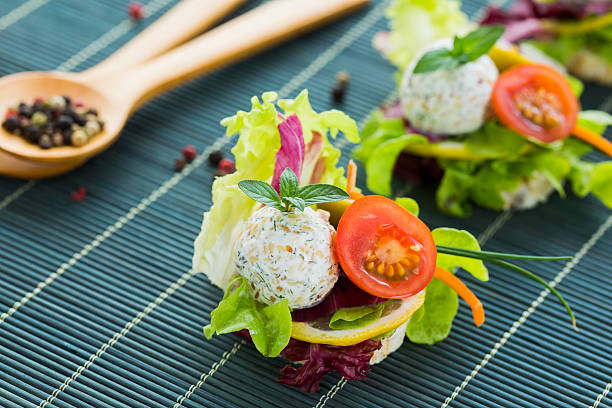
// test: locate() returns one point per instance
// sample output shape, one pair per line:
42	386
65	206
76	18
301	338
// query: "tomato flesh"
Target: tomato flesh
385	250
536	101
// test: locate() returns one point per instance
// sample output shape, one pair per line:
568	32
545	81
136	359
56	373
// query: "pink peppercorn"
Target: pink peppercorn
189	153
227	166
135	10
80	194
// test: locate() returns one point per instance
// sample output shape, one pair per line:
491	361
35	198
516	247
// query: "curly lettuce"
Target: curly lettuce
255	154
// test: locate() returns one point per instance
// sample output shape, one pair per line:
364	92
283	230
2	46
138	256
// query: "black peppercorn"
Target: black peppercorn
63	122
67	100
32	133
92	111
67	136
11	124
215	158
179	164
24	110
80	120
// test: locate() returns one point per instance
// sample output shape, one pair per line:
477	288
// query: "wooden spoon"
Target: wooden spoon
117	94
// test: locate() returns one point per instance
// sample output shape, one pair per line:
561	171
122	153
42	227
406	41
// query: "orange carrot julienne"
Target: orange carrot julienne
466	294
593	139
351	180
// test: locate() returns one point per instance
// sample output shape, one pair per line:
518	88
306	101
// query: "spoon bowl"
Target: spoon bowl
29	85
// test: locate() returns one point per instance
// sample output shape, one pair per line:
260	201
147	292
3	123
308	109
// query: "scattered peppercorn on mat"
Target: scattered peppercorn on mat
98	305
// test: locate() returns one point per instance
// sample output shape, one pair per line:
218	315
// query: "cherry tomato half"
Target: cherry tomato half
384	249
535	101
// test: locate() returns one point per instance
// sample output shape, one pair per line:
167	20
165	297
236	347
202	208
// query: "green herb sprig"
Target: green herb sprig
497	258
291	194
465	49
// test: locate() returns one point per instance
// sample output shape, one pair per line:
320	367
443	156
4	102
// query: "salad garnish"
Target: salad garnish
291	195
493	132
465	49
326	279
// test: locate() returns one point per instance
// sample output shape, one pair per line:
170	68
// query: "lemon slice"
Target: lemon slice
397	312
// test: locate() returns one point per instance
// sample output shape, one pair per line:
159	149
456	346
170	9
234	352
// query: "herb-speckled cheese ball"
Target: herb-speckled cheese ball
287	255
449	101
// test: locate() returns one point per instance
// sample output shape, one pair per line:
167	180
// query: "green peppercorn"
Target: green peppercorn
92	128
79	138
39	118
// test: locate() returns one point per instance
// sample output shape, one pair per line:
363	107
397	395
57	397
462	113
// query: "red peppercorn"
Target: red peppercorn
79	103
227	166
189	153
135	10
80	194
39	99
10	113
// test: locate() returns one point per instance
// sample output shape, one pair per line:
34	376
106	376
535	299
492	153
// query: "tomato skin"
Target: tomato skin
534	75
356	231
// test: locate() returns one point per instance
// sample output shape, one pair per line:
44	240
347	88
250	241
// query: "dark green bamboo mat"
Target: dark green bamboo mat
100	309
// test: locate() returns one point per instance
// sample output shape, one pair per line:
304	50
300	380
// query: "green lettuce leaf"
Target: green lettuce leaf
600	184
437	314
495	140
355	317
564	47
254	154
417	23
595	120
382	161
409	204
464	240
268	325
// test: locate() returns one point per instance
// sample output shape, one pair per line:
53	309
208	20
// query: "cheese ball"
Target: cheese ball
288	255
448	101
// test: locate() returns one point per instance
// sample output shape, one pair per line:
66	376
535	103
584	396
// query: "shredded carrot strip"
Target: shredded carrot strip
351	180
466	294
593	139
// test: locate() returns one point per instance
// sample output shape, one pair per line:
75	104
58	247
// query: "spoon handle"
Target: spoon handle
254	31
185	20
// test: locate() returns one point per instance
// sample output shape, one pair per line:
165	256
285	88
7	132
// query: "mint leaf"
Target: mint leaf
288	183
261	192
297	202
480	41
465	49
435	60
321	193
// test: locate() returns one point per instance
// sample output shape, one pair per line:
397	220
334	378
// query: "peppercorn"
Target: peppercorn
63	122
45	142
57	139
67	134
227	166
179	164
80	194
135	10
39	118
67	100
24	110
57	102
11	124
339	90
92	111
92	128
215	157
78	138
101	123
189	153
37	106
80	119
32	133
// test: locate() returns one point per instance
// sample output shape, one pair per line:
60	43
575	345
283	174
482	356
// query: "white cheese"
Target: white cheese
287	256
449	101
